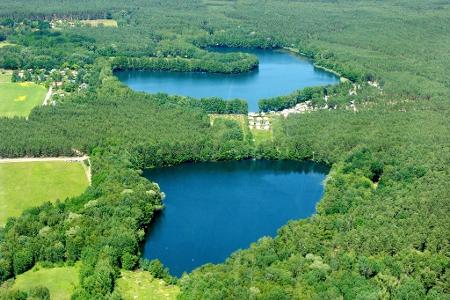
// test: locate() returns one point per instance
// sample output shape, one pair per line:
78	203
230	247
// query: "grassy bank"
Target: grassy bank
141	285
60	281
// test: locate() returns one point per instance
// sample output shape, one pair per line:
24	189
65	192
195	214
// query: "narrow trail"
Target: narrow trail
87	169
48	96
35	159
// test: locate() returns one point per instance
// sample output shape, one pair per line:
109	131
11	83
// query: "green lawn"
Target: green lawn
141	285
18	99
60	281
261	136
28	184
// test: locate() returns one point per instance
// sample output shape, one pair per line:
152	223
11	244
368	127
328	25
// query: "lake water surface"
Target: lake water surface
279	73
214	209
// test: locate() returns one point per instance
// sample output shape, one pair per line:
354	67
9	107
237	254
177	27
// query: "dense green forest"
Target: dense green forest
381	230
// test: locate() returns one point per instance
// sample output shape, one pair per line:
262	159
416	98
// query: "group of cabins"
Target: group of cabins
299	108
258	121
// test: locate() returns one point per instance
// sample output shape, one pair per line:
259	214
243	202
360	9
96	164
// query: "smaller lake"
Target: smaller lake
279	73
214	209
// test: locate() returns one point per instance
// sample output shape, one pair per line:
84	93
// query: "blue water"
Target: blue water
279	73
214	209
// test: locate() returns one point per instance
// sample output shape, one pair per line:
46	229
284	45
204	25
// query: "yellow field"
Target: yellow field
28	184
102	22
141	285
18	99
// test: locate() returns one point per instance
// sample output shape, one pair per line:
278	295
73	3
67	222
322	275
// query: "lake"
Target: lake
279	73
214	209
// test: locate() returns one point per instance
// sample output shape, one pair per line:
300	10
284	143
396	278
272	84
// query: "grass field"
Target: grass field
18	99
260	135
29	184
60	281
141	285
101	22
241	119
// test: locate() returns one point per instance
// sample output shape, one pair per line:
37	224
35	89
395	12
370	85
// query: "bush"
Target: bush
129	261
157	269
39	292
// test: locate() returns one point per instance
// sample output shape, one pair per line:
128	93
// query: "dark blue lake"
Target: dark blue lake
214	209
279	73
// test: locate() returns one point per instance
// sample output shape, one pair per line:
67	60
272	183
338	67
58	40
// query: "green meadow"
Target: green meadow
60	281
18	99
28	184
142	285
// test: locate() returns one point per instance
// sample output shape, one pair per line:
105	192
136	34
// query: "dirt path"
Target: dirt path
33	159
48	96
87	169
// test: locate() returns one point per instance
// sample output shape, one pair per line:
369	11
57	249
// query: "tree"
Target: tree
39	293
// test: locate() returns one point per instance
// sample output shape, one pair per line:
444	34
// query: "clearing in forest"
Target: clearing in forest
18	99
28	184
142	285
61	281
100	22
239	118
260	136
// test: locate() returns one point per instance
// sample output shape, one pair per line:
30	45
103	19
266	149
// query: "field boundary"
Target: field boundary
81	159
38	159
48	96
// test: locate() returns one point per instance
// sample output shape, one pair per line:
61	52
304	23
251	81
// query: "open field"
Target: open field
241	119
61	281
18	99
100	22
28	184
141	285
260	135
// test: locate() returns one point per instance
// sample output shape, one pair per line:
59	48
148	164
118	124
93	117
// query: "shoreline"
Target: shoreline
297	52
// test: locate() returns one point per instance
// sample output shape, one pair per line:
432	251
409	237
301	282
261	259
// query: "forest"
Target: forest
381	230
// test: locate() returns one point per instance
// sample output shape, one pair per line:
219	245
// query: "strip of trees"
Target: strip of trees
230	63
